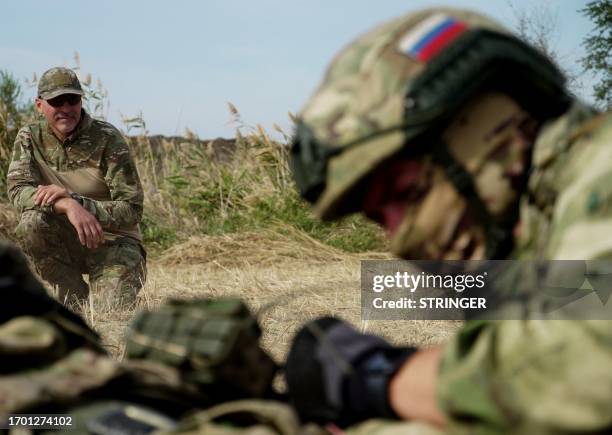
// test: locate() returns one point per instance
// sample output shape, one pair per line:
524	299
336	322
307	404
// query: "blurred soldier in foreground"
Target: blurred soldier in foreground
80	198
184	357
463	142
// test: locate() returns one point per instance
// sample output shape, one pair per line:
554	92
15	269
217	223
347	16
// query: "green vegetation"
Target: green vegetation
191	189
191	192
598	47
14	112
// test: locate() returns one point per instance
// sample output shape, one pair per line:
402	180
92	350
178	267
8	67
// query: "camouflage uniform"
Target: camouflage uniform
95	163
497	376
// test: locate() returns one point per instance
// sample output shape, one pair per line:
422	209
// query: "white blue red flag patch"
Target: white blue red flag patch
430	36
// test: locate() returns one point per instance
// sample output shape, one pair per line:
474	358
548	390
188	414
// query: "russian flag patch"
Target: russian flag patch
430	36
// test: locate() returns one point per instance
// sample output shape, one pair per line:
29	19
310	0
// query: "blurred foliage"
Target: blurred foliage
598	46
14	112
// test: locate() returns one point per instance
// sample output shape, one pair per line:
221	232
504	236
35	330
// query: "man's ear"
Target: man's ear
38	103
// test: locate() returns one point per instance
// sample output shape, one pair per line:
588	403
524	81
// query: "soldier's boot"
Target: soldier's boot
117	272
52	244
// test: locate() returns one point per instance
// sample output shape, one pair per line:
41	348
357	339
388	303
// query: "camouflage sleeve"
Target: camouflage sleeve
582	216
24	175
126	204
528	376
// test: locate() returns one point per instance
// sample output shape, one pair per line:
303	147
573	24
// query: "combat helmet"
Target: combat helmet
402	83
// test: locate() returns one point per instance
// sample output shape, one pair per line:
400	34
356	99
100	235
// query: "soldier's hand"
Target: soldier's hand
336	374
86	225
46	195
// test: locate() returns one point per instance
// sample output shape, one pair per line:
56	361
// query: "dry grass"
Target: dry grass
264	248
286	281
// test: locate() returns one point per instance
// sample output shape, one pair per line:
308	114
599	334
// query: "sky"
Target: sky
179	63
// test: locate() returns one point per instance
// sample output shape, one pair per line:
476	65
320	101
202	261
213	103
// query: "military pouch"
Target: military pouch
213	343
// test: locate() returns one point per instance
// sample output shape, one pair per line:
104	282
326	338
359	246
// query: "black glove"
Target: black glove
336	374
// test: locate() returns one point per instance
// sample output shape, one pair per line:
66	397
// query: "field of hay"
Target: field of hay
285	281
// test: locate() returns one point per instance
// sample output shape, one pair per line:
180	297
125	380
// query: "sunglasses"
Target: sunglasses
71	99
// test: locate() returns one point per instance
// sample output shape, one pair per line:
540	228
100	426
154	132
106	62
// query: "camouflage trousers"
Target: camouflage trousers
116	269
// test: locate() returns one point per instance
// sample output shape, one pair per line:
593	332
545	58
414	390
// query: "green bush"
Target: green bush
155	234
14	113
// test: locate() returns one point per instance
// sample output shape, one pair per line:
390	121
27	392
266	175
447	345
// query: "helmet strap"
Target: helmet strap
498	234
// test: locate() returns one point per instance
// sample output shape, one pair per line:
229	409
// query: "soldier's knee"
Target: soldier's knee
34	229
39	231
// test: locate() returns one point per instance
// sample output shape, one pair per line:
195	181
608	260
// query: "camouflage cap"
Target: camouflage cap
57	81
360	115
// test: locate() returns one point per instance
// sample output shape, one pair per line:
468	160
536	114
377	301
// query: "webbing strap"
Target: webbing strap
498	236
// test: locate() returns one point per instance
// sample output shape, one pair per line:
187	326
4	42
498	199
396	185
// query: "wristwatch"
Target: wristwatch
78	198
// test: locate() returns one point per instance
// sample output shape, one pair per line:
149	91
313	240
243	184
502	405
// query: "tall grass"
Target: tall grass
199	187
190	190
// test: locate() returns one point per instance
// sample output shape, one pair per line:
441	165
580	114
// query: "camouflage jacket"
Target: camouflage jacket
545	376
94	162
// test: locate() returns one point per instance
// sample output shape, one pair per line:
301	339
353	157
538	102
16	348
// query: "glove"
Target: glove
336	374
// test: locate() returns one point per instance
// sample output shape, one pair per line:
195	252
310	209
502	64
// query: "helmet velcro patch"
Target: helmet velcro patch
430	36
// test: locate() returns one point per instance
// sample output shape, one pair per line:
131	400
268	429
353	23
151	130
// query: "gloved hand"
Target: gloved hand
336	374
